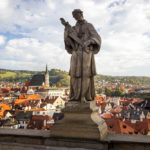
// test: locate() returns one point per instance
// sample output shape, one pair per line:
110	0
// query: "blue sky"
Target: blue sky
31	34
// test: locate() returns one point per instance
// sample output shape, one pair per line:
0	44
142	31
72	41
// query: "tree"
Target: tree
118	92
108	92
59	84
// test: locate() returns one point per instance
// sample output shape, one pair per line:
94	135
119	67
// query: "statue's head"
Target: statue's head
77	14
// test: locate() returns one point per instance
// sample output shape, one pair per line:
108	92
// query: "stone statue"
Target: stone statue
82	42
80	116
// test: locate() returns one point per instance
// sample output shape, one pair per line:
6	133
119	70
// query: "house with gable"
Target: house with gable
40	122
56	101
43	112
23	118
9	114
59	102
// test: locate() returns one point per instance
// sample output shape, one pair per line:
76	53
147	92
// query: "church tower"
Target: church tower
46	77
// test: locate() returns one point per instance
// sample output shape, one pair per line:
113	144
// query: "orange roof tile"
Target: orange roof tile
37	109
21	101
31	97
106	116
34	97
127	127
27	83
5	90
1	99
4	107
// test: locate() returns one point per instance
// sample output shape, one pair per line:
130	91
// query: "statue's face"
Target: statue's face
78	16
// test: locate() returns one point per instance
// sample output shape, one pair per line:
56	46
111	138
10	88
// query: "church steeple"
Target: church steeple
46	77
46	69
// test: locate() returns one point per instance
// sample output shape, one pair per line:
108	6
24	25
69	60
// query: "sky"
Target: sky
31	34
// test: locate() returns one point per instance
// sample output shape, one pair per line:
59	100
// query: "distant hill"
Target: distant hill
125	79
61	78
57	77
15	75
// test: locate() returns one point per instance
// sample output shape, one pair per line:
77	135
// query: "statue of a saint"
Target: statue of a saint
82	42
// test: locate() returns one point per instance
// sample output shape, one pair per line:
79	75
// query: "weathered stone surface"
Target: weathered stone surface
102	126
20	140
23	132
77	123
21	146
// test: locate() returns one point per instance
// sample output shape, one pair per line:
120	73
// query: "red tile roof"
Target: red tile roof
40	117
5	90
127	127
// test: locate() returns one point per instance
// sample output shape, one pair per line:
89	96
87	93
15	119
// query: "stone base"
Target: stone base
77	123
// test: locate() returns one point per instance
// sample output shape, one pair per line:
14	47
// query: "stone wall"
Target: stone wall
21	139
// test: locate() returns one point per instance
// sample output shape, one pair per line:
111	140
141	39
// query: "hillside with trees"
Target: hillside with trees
57	77
125	79
61	78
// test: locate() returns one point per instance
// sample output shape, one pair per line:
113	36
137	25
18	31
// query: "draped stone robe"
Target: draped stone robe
82	66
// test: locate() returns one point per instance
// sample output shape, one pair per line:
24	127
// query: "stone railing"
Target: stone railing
22	139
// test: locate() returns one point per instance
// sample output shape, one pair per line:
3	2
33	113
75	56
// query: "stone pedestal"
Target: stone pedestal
78	122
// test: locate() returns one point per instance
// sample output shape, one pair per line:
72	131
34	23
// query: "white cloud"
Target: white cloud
2	39
123	26
51	4
31	51
69	1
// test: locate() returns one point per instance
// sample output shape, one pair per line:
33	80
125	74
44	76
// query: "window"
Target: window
136	132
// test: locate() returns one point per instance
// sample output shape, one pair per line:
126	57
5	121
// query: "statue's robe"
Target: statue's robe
82	67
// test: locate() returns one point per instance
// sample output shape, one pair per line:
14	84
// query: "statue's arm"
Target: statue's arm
69	44
94	40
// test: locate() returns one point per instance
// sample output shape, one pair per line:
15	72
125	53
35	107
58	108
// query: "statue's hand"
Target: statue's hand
63	21
86	43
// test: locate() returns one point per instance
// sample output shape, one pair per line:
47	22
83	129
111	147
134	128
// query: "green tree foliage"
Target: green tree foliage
59	76
116	93
15	75
99	90
59	84
108	91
